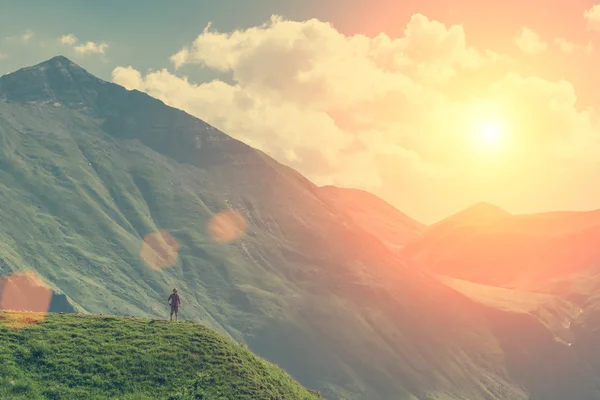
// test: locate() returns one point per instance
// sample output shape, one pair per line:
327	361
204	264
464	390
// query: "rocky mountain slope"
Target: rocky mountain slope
374	215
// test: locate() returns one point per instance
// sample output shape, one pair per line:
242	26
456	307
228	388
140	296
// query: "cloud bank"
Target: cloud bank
373	112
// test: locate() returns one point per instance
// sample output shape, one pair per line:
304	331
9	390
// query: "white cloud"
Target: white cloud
530	42
592	16
23	38
68	40
569	47
27	36
565	46
128	77
366	112
83	49
90	48
429	48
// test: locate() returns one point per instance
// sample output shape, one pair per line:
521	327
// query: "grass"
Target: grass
68	356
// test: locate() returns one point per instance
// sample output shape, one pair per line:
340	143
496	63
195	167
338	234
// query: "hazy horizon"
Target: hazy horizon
431	108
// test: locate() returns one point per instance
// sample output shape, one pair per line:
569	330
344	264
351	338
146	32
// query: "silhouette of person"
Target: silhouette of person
174	300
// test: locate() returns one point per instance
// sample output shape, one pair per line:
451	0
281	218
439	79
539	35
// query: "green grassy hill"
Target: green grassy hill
65	356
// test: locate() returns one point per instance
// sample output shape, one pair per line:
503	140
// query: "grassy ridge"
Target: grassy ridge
66	356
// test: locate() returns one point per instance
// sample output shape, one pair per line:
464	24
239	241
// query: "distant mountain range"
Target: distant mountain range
113	198
485	244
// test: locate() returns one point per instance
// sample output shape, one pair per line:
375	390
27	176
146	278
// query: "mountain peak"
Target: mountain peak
483	206
479	213
55	81
58	61
55	64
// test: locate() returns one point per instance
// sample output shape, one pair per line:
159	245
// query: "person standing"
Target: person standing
174	300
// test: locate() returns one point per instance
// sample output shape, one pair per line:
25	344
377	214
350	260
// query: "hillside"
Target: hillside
379	218
521	251
103	357
554	311
111	198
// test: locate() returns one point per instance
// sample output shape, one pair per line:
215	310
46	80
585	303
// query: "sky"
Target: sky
432	105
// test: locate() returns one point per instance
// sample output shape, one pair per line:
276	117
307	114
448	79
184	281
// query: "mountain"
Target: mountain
520	251
69	357
374	215
110	199
478	214
450	229
548	265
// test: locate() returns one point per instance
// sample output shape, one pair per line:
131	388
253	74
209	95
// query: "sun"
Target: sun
489	135
487	128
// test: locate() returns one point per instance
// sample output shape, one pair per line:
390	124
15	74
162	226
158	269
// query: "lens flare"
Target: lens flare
159	250
27	298
227	226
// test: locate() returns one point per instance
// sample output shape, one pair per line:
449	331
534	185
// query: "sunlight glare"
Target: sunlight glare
488	130
490	133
